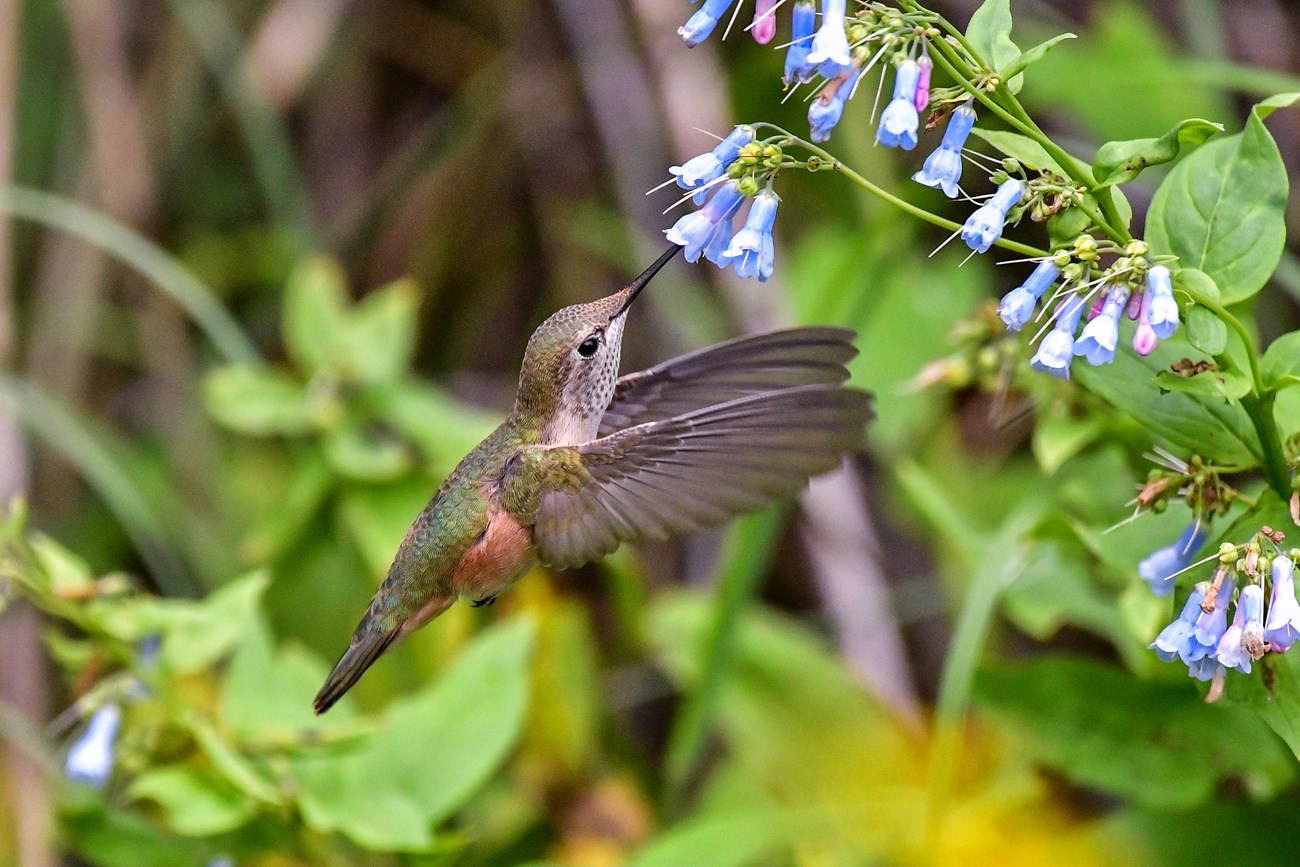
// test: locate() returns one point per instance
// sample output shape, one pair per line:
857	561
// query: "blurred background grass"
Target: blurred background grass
187	179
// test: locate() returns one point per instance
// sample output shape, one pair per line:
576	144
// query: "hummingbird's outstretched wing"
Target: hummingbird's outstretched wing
716	374
692	470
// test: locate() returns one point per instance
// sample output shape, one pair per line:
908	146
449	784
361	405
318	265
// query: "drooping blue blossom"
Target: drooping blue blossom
90	759
1283	625
984	226
830	46
1252	633
1204	668
899	120
1174	641
698	27
1233	651
752	250
1057	349
1162	309
1018	304
700	171
716	249
824	112
942	169
797	67
1099	337
696	229
1210	625
1161	565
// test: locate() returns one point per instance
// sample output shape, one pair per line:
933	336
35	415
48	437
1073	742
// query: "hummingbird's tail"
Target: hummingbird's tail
368	644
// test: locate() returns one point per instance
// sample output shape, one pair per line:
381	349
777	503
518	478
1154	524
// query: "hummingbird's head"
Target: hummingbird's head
571	364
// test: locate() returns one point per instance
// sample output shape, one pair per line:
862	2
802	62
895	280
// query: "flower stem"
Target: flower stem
834	164
1258	404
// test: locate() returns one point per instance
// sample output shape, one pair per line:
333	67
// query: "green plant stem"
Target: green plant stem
1016	117
1258	404
834	164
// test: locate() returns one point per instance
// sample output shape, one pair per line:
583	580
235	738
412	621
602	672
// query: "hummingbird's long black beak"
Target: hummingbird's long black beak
634	288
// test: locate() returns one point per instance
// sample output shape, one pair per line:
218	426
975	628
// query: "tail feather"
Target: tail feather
367	646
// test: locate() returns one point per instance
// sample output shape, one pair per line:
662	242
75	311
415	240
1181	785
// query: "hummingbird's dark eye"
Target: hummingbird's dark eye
588	347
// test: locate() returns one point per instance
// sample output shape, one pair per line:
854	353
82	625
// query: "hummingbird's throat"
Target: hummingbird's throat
587	391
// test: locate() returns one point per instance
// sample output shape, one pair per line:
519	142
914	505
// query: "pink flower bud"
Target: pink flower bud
922	97
764	26
1144	339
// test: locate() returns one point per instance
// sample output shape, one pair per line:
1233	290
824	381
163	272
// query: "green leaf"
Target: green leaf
267	693
257	400
367	452
1119	162
315	307
1215	384
1156	743
1029	152
1211	428
1205	330
1060	435
379	338
1064	226
440	746
1278	703
989	33
1281	362
1222	208
1033	55
197	635
1199	285
194	802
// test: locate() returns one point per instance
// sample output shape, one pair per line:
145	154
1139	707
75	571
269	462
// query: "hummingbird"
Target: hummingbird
588	460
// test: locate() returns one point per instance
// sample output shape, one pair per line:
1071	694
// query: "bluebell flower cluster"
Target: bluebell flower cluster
711	232
1133	286
1201	637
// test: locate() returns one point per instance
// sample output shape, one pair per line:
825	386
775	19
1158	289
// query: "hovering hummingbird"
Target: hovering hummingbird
588	460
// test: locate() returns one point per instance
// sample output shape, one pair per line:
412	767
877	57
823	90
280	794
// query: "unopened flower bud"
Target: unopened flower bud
1227	553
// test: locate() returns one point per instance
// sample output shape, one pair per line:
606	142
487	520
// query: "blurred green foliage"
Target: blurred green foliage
385	239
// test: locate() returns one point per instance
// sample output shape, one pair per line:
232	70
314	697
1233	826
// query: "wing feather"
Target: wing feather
699	468
717	374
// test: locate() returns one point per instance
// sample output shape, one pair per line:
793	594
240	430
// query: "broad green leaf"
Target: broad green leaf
315	307
1119	162
1029	152
1214	384
989	33
367	452
1197	284
238	770
194	801
1155	742
724	841
113	836
379	334
439	747
252	399
267	693
1205	330
1209	427
1281	362
1222	208
1033	55
1060	435
197	635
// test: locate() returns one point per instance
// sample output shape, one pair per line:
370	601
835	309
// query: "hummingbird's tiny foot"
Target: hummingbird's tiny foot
486	600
